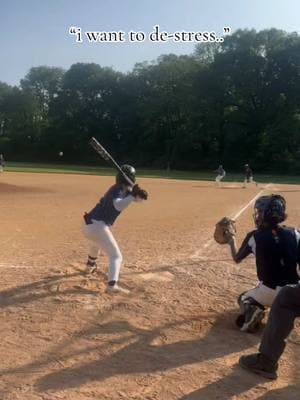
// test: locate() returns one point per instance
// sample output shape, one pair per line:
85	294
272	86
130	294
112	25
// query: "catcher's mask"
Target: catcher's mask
269	210
129	171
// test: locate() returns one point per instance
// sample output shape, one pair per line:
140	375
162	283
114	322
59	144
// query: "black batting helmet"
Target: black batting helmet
129	171
270	210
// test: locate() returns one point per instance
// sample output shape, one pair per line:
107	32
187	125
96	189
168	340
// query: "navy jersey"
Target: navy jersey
105	210
277	255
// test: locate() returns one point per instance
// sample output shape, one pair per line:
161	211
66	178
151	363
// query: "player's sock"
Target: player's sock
91	260
91	265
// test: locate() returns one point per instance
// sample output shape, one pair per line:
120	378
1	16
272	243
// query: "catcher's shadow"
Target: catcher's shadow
228	387
290	392
141	355
239	381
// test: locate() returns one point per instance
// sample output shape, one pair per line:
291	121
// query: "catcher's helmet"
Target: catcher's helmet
269	210
129	171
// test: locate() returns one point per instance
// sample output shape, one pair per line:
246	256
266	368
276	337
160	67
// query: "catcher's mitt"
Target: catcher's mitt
224	231
139	192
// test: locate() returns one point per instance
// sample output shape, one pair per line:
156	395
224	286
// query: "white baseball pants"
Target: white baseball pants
100	237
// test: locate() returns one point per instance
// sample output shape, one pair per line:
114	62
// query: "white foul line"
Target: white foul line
250	202
209	242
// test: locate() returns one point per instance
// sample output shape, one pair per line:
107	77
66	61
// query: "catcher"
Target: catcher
97	222
276	249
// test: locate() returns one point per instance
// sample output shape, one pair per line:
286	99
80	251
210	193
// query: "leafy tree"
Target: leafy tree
227	103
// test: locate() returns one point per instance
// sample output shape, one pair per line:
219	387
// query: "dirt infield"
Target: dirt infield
172	338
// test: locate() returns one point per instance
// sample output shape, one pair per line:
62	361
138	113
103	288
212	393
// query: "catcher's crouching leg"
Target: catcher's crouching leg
252	314
241	317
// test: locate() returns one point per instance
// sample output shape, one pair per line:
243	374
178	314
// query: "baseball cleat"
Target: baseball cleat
260	365
90	269
116	289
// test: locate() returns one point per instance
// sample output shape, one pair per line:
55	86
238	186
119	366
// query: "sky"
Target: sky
36	32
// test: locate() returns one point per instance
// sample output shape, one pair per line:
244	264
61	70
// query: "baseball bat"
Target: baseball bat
107	157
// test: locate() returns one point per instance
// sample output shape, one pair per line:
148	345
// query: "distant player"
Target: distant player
248	175
97	222
221	174
276	249
2	163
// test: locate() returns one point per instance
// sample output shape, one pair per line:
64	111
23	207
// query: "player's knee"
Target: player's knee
287	295
239	299
117	256
243	299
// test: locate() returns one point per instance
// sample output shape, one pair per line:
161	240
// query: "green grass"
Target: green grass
57	169
187	175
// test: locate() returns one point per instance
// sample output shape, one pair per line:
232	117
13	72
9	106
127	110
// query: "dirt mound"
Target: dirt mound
6	188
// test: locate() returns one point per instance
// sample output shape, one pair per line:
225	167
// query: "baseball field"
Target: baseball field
172	337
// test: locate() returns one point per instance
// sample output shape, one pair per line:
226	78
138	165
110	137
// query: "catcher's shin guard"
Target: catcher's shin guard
252	314
253	318
240	302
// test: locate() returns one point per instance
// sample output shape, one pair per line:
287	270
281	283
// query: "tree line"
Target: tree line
232	103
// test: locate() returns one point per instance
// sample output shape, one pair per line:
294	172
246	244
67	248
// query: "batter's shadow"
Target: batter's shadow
46	287
142	356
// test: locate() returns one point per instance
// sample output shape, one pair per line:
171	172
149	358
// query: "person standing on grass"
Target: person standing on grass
221	174
2	163
248	176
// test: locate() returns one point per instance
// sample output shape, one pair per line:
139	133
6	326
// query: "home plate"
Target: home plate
164	276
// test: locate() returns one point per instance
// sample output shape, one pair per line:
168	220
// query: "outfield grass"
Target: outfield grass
187	175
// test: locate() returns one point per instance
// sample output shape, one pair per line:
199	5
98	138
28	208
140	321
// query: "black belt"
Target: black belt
87	219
